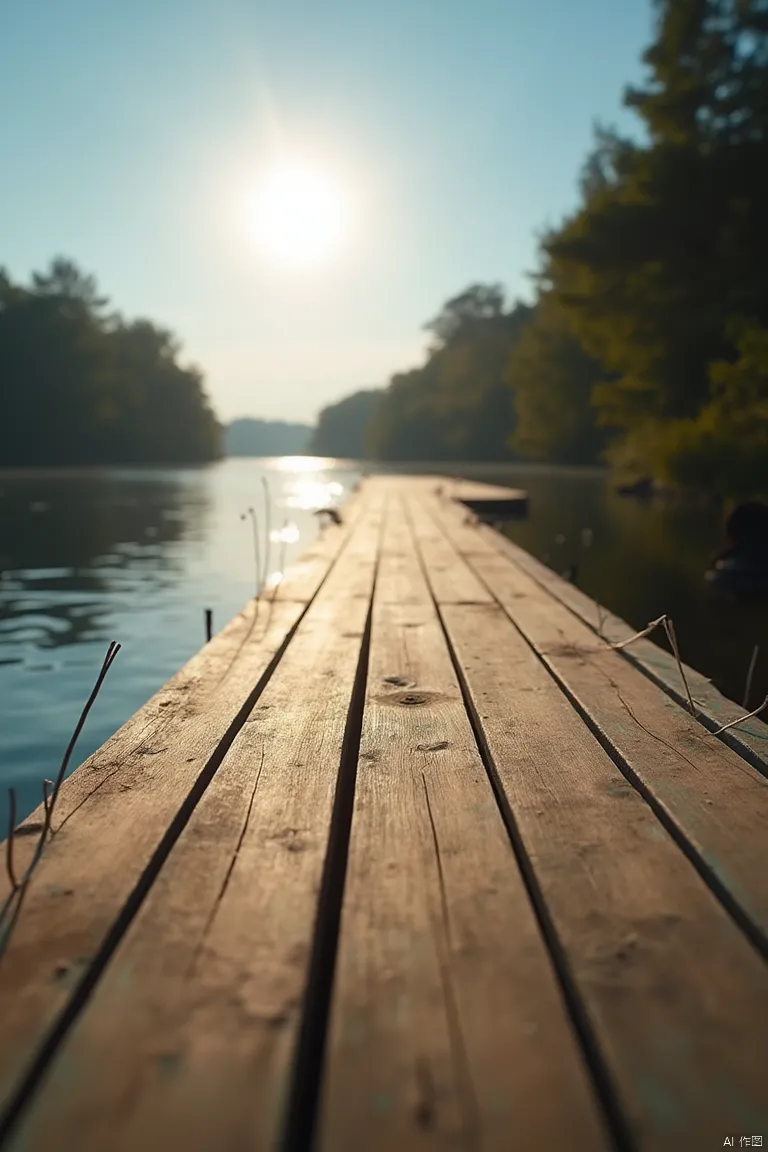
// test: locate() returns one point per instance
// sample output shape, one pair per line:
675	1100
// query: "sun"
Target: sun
300	214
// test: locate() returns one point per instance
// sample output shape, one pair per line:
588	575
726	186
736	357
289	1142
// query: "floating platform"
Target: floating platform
489	501
407	857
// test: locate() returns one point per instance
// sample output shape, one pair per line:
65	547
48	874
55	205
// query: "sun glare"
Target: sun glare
300	215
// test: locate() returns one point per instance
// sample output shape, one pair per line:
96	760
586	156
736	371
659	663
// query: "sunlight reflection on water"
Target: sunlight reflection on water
287	535
135	556
312	495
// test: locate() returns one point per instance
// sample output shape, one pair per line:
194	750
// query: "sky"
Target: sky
137	136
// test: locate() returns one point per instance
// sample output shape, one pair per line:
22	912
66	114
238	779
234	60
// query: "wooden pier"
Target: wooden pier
408	859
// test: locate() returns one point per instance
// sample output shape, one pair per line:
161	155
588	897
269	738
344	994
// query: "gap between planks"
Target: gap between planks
447	1026
676	995
713	709
712	802
88	887
204	990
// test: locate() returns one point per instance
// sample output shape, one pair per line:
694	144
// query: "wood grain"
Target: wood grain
113	818
526	954
675	994
749	739
188	1035
448	1027
716	803
453	582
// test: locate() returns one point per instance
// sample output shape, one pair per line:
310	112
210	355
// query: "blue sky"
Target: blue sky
133	133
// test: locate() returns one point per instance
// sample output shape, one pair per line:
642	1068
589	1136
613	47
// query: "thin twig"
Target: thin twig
267	530
47	805
281	561
669	628
9	841
750	674
256	551
208	625
256	557
112	652
741	719
600	620
639	635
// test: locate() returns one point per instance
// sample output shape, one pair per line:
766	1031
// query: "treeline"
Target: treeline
647	343
249	436
342	428
81	385
478	395
458	405
661	271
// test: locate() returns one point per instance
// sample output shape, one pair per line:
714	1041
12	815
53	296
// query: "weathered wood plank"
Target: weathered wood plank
181	694
716	803
113	818
185	694
205	988
750	739
675	993
450	581
489	499
448	1027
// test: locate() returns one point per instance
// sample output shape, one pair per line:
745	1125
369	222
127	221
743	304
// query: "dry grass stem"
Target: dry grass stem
741	719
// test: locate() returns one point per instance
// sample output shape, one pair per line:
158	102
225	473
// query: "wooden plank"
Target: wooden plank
490	499
449	579
204	990
714	802
184	693
135	786
750	739
486	499
675	994
448	1027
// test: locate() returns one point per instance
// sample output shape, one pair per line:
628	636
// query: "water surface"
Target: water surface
645	559
134	556
137	556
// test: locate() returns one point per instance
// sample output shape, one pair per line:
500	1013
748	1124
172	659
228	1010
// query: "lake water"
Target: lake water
133	556
137	556
645	559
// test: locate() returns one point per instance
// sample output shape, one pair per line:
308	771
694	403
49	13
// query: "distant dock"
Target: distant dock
408	857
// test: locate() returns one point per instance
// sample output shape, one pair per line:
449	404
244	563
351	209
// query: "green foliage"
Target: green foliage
80	387
552	379
725	449
458	405
671	242
341	428
631	349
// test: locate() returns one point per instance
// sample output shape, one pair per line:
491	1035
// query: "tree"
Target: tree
342	427
54	379
162	412
458	405
80	387
460	316
552	379
668	249
72	288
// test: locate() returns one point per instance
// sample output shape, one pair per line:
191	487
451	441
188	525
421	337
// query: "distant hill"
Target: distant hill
249	437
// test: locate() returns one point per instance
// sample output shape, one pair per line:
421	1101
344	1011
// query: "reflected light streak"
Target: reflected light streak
310	495
303	463
287	535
